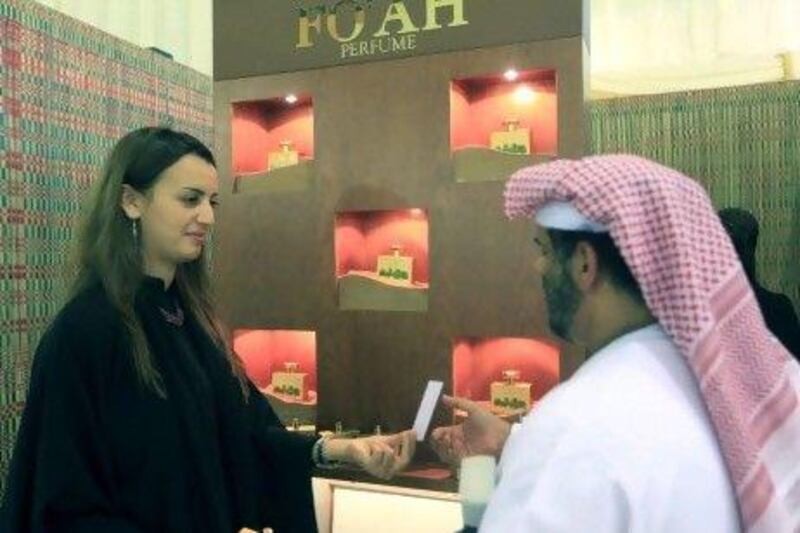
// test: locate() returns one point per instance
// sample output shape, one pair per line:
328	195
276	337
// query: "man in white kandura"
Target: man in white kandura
685	415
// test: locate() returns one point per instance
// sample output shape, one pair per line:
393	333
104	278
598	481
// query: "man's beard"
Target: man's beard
563	298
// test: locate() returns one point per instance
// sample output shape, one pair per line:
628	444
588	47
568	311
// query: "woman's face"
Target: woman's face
175	215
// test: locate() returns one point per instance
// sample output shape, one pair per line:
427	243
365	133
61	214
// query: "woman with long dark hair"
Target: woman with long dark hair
139	416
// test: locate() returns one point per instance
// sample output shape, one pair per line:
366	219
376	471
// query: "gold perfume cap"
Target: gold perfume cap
511	124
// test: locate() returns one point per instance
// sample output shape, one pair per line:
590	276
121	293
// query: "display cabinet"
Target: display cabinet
382	260
393	247
282	364
506	375
272	144
502	122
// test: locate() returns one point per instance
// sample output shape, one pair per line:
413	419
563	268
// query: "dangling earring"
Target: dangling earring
134	231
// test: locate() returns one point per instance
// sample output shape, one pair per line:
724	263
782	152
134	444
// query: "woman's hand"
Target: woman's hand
382	456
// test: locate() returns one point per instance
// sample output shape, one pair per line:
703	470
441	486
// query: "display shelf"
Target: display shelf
419	475
272	144
382	260
282	364
503	122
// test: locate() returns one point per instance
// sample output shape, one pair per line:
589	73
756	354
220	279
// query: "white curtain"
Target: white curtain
637	46
646	46
181	27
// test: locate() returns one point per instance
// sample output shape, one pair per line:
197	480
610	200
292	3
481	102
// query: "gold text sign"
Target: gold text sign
361	28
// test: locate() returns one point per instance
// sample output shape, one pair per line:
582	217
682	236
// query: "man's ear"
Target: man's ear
585	266
132	202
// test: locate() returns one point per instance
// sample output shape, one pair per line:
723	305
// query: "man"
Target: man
777	309
685	416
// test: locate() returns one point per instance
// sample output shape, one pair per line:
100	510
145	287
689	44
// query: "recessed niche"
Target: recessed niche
501	123
272	144
283	366
382	260
507	375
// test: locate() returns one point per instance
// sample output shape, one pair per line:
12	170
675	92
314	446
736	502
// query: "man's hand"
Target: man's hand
382	456
481	433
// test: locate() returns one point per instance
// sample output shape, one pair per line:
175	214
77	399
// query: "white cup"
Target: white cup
475	486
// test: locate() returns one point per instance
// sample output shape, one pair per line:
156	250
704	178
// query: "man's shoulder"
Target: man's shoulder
629	367
620	392
629	422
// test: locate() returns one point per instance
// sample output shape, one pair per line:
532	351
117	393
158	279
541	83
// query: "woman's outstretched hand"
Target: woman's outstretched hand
382	456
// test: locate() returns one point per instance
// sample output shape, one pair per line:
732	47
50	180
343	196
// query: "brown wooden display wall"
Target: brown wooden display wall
381	141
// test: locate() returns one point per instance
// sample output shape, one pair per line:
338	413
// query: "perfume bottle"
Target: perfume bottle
510	394
285	156
396	267
512	138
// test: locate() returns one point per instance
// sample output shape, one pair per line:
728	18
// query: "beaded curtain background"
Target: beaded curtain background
741	143
67	92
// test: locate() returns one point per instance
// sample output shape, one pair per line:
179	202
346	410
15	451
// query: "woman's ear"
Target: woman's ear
131	202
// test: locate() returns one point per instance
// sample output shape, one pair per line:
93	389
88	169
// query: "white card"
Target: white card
426	407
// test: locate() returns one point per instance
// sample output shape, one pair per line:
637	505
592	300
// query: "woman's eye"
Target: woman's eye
191	200
214	203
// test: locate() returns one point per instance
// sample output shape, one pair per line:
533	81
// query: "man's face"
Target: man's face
562	297
561	294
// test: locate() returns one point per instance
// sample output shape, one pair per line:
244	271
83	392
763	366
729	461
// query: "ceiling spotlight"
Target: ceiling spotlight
291	99
524	95
511	75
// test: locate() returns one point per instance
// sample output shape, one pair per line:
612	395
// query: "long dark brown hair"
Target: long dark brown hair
108	252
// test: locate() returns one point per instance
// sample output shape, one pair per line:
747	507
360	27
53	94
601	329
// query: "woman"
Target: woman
139	416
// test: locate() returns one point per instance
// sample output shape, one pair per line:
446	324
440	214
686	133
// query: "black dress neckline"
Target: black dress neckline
152	282
165	299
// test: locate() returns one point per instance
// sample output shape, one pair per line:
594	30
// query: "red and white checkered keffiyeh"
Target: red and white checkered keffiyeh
669	235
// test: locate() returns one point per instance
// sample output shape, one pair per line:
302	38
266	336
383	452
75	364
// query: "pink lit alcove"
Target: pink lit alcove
508	375
283	366
272	144
382	260
503	122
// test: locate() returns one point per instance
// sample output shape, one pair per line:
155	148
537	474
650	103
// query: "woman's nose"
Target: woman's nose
206	214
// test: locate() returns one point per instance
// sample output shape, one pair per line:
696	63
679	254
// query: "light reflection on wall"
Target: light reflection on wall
480	106
259	127
264	351
477	362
